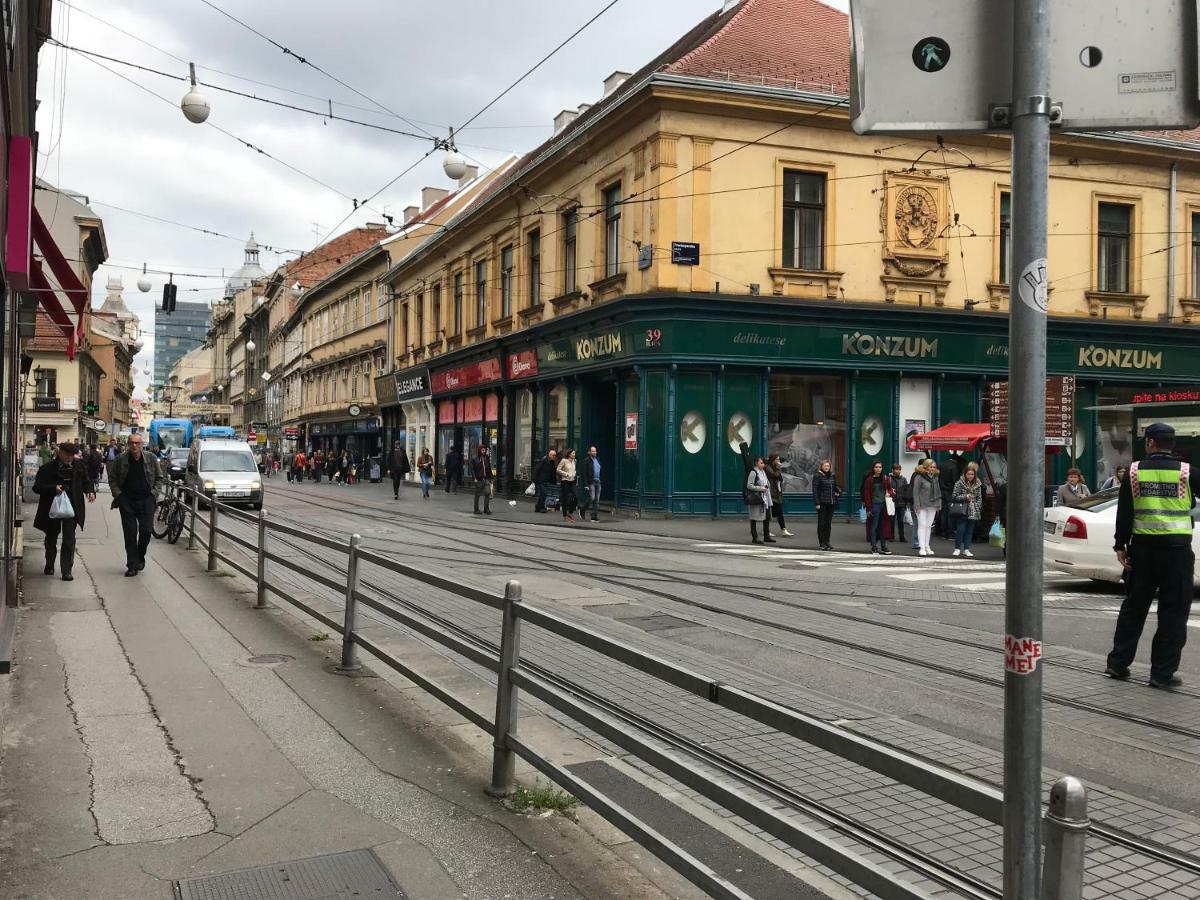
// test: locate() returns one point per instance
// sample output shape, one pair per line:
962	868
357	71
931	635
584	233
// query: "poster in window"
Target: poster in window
913	427
631	425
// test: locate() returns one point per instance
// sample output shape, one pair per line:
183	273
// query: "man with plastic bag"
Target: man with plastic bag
61	485
132	480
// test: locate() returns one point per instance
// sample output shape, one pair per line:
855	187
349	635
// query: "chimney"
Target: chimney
468	176
563	119
728	5
410	213
431	195
584	107
614	81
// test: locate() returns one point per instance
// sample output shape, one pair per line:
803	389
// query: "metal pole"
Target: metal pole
504	761
195	512
350	662
1030	115
260	599
1066	834
212	534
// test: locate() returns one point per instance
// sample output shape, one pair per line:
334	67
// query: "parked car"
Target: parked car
226	470
1079	539
174	466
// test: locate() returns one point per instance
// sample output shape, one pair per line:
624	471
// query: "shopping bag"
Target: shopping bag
890	505
908	520
61	507
531	490
862	514
996	534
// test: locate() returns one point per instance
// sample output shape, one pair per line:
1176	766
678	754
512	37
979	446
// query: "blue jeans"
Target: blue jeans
426	481
876	525
963	531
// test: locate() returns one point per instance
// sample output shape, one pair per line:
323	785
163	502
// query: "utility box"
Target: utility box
922	66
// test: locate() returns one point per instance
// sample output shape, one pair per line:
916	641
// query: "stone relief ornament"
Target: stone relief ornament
916	217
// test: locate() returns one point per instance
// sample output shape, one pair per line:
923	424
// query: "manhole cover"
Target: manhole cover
660	622
339	875
269	659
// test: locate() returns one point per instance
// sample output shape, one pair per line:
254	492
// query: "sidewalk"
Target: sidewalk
846	535
159	729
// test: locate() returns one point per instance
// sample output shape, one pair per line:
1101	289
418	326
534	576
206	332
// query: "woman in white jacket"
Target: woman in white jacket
927	500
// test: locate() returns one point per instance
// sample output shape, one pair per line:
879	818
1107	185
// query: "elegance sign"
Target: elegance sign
413	384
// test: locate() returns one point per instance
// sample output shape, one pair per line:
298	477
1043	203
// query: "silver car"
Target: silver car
227	470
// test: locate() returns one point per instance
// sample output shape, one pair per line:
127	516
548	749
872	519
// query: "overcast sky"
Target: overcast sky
435	64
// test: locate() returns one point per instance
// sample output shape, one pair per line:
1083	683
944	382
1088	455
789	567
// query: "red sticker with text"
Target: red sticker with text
1021	655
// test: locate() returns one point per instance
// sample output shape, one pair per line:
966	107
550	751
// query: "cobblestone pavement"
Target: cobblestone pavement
811	643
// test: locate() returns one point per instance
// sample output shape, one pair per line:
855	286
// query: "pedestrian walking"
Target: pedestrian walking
1153	540
62	475
565	470
318	465
878	498
825	495
927	503
1073	491
94	463
341	468
966	509
589	485
133	478
903	500
45	452
1114	480
774	470
758	502
299	465
453	470
544	474
398	466
425	466
947	477
912	482
485	478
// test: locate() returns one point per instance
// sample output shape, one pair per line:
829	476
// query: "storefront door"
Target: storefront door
873	436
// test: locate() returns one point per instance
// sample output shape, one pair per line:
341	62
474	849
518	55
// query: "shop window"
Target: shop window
570	230
481	293
803	220
534	242
506	281
1005	274
612	230
806	417
1114	222
556	418
458	302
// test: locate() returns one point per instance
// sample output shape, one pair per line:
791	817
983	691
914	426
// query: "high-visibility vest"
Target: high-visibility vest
1162	499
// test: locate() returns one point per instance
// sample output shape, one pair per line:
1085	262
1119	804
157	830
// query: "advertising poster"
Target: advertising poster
913	427
631	431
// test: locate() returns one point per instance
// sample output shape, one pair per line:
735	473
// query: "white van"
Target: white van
225	469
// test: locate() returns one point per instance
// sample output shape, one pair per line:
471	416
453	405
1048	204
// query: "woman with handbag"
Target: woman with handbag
966	509
774	470
879	501
61	485
566	480
757	495
425	467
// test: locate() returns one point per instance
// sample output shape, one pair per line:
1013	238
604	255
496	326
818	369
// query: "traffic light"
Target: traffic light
168	301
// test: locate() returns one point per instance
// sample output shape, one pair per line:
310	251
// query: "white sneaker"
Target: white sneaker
968	553
957	552
929	552
786	533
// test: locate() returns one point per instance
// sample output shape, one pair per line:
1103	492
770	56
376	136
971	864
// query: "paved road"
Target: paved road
904	648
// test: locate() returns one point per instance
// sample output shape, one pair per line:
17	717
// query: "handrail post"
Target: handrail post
195	511
260	599
1066	824
507	702
350	663
212	534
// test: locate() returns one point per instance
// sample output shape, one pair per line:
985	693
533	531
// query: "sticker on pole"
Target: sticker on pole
1021	655
1032	286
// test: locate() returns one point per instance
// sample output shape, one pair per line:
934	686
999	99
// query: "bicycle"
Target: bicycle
170	515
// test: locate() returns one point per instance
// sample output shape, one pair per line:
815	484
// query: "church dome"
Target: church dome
250	270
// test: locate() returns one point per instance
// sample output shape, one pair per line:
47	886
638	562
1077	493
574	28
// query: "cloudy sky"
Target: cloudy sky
435	64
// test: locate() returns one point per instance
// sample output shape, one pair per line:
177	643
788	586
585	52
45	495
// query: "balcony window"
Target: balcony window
1114	221
1196	254
1005	238
46	383
612	230
481	293
570	246
803	220
437	311
506	281
535	267
458	303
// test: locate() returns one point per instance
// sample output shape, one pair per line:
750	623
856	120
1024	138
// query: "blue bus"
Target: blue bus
217	431
168	434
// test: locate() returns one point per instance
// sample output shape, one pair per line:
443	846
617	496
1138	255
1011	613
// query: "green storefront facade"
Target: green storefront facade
667	387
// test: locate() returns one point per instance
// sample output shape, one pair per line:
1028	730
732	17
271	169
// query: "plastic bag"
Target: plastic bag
531	490
908	519
61	508
862	514
996	534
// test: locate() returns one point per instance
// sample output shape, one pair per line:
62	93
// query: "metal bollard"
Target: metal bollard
260	599
350	662
195	512
504	761
212	534
1065	828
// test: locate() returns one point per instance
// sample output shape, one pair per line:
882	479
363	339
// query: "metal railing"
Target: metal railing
1065	821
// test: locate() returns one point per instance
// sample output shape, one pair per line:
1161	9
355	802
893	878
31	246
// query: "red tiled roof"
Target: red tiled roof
322	261
779	43
47	337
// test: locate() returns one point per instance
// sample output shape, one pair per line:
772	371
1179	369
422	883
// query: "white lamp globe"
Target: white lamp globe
250	345
297	290
144	284
195	106
454	165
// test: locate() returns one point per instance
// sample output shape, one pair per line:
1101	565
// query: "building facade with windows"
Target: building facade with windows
708	256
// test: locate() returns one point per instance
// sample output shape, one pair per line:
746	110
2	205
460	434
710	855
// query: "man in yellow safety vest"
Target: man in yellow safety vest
1154	541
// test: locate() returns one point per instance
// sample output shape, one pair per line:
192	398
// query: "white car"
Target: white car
1079	539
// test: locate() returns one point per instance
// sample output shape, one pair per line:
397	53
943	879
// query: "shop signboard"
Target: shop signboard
45	404
523	364
685	253
413	384
464	377
1167	395
1060	410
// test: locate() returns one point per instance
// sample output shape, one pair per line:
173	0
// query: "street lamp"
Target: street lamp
194	104
170	394
297	290
250	345
144	283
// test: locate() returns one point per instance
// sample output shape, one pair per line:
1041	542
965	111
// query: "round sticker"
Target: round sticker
872	435
931	54
692	432
739	431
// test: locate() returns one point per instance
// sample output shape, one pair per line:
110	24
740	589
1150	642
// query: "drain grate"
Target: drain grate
659	622
355	874
269	659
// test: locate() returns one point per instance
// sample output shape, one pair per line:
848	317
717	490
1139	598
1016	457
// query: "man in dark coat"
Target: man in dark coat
454	466
134	476
948	474
62	474
397	463
543	476
485	475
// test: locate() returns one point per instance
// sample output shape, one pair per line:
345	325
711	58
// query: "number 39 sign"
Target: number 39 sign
653	337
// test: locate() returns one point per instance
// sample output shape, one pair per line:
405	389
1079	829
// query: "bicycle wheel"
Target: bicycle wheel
175	522
159	526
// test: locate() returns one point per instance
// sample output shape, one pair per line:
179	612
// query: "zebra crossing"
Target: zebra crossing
959	573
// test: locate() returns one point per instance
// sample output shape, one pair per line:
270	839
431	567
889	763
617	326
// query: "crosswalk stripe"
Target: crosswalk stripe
938	576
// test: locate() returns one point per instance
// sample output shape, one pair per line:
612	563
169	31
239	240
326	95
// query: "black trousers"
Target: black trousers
539	504
1167	572
67	529
898	523
137	518
483	488
396	479
777	512
825	523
